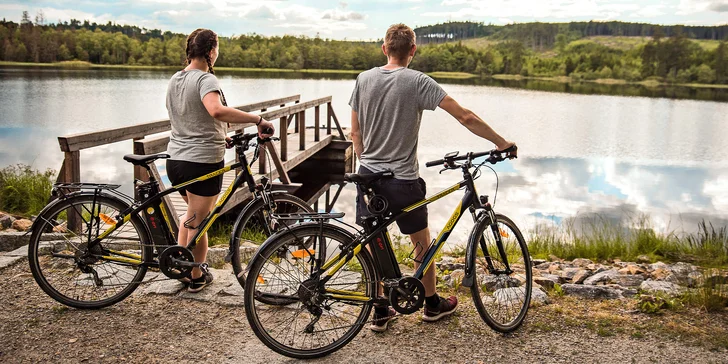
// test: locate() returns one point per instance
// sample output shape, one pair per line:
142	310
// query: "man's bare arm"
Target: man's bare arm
475	124
356	134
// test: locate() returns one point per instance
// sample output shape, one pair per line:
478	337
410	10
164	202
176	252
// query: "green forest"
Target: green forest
672	54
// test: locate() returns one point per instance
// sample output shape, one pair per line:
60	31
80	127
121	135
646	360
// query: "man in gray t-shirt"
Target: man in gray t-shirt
386	110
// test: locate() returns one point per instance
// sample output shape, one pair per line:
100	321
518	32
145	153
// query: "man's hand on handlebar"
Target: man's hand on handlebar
511	153
265	129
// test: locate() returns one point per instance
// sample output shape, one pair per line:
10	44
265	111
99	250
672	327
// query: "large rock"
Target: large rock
643	259
669	288
493	283
581	276
592	292
12	240
568	274
683	274
547	281
632	269
22	224
605	277
515	295
6	221
581	262
628	280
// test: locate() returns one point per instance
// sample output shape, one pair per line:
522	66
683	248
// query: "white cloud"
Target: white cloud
561	9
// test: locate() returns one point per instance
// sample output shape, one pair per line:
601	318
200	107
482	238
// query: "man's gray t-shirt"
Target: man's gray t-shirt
389	105
196	136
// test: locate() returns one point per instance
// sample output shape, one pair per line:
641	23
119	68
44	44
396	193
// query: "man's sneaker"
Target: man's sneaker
380	323
198	284
443	309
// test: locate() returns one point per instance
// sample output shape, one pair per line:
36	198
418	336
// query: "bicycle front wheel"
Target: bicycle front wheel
256	224
75	275
322	316
502	282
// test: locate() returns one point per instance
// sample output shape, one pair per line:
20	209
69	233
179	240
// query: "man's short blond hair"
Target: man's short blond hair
399	41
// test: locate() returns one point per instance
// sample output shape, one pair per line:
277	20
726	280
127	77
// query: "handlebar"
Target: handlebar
495	157
243	140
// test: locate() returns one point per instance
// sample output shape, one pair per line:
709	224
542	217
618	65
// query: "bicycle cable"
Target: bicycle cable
477	174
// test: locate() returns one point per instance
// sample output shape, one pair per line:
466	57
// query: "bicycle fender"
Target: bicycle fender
292	230
471	252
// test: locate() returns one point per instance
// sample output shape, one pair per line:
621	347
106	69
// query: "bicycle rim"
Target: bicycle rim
55	250
501	297
282	268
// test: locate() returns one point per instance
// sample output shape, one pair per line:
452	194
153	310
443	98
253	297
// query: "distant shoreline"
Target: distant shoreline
438	74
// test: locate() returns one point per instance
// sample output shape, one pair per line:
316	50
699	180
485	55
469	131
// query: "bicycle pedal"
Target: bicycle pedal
204	267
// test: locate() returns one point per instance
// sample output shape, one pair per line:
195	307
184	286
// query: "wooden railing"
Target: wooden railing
71	145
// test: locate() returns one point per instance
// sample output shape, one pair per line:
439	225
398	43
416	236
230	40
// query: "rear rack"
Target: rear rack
310	216
86	186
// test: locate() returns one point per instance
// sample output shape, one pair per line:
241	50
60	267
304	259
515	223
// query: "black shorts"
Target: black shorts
183	171
399	193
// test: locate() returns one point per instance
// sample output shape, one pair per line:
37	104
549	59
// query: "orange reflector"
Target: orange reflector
302	253
503	233
107	219
261	280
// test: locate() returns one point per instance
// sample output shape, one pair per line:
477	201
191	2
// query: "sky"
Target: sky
358	19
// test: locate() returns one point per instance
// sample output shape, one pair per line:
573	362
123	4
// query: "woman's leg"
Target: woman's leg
198	207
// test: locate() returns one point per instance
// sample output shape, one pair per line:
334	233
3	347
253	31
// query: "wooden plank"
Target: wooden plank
282	172
152	145
302	131
284	138
290	110
328	118
336	120
74	142
316	195
316	117
72	173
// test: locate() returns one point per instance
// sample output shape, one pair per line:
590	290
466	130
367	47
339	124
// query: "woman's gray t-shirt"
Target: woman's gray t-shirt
196	136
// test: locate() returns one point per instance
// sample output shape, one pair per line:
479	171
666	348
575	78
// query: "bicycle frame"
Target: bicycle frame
155	200
381	244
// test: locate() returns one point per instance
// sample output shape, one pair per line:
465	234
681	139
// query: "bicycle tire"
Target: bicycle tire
50	272
294	346
247	217
492	292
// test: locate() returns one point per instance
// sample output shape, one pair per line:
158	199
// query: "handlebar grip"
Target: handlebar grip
267	131
435	163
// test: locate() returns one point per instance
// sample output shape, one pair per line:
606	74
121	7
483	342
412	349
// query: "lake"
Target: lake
579	154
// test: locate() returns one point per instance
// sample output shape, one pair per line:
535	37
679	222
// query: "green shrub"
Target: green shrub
24	190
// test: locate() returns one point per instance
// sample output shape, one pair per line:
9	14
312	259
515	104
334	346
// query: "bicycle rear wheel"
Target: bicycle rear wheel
502	283
322	317
65	268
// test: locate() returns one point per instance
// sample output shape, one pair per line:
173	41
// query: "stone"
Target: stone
535	262
22	224
602	277
632	269
512	295
568	274
7	261
543	266
669	288
660	274
554	267
680	274
547	281
715	278
10	240
581	262
539	297
581	276
628	280
658	265
592	292
554	258
493	283
166	287
643	259
6	221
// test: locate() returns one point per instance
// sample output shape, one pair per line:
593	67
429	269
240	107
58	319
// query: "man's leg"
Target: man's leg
421	241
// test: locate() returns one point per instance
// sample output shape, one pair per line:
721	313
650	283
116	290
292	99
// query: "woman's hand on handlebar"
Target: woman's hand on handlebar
228	142
512	153
265	129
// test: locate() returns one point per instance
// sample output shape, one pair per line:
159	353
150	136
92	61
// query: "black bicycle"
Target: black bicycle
92	246
312	285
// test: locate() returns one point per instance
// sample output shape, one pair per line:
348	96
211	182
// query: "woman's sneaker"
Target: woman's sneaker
198	284
443	309
381	322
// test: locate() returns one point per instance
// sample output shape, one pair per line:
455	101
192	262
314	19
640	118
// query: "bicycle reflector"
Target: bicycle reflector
302	253
107	219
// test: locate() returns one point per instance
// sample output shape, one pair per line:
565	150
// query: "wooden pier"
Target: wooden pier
310	156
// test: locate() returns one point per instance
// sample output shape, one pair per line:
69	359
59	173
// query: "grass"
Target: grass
23	190
597	238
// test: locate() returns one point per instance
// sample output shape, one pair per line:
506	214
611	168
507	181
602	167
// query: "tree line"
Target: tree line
672	59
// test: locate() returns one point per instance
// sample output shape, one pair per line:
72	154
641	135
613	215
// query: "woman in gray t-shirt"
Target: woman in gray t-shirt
198	113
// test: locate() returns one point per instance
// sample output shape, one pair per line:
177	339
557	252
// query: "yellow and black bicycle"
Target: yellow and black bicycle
311	286
92	246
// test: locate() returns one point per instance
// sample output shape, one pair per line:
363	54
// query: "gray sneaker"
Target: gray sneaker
380	323
198	284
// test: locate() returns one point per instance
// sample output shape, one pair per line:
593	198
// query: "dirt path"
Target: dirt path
156	329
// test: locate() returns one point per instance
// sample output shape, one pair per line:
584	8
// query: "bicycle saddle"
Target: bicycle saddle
367	179
141	159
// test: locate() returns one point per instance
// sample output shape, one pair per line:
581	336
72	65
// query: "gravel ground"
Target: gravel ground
159	329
